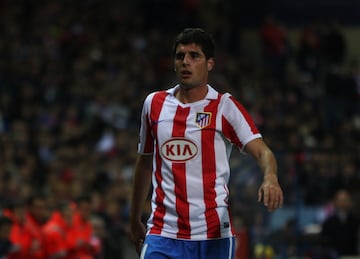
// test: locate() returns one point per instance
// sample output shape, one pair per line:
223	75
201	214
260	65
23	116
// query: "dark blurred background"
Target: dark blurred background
73	76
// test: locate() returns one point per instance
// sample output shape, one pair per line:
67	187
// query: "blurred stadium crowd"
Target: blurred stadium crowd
73	76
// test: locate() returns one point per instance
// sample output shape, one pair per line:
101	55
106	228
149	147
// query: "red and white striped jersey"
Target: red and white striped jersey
191	145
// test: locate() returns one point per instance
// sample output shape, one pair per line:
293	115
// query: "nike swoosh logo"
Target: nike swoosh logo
156	122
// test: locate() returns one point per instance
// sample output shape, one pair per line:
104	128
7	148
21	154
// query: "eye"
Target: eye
195	54
179	56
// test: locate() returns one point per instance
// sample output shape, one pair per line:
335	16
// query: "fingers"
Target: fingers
260	194
139	244
276	200
272	197
137	235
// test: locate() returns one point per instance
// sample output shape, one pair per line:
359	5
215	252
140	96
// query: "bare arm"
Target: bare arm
140	190
270	191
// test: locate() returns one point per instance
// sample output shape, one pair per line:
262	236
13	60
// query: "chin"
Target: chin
186	85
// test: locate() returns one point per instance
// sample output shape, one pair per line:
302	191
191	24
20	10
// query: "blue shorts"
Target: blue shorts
158	247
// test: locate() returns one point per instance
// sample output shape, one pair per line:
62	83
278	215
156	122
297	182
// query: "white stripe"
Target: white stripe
230	247
143	251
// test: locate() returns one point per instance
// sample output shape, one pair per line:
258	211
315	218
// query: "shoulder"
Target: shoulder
156	95
155	99
229	98
226	97
231	102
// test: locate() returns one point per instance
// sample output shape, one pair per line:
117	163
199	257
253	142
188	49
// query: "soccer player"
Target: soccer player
186	137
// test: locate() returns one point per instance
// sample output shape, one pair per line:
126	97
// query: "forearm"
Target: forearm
267	163
270	191
264	157
141	186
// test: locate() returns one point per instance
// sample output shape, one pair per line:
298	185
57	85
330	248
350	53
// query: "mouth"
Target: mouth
185	73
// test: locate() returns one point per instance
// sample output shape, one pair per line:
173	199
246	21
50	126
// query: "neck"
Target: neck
190	95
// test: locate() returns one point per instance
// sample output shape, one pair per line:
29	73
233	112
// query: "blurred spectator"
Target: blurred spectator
324	171
352	90
242	246
98	237
334	46
340	231
35	217
19	235
342	98
113	233
81	232
308	53
333	82
349	179
275	47
57	230
5	244
285	239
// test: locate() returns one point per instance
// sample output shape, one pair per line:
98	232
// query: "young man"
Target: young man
186	137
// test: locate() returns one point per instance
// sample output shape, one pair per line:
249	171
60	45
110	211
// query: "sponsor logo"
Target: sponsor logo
153	123
203	119
179	150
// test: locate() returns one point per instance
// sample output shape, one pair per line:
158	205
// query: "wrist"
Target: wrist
271	176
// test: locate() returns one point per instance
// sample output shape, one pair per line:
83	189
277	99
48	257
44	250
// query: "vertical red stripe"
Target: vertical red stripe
246	115
149	141
229	132
179	173
209	172
158	219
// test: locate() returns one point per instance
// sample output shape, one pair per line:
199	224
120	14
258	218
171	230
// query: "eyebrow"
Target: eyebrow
180	54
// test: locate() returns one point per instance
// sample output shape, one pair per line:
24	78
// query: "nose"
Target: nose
186	59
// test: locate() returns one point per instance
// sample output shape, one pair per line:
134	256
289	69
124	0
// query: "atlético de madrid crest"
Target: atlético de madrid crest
203	119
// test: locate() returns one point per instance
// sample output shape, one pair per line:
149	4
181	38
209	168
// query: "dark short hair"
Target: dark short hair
199	37
35	197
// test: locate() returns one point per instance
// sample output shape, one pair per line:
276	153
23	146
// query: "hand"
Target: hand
271	194
137	235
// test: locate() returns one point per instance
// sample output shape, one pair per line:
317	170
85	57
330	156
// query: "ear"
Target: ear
210	64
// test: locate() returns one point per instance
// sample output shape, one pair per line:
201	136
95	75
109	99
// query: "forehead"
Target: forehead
191	47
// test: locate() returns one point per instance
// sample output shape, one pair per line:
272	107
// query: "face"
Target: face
68	213
343	201
84	208
191	65
39	209
19	212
